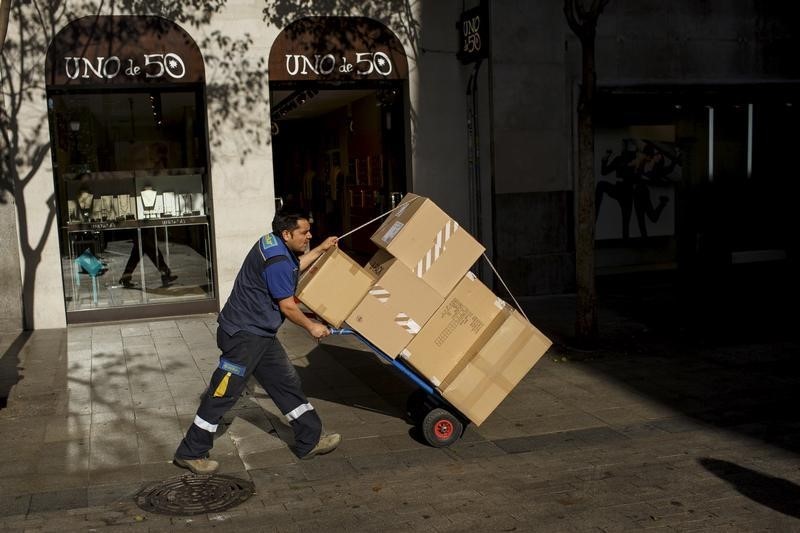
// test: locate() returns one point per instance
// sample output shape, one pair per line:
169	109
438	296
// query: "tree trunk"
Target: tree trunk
11	284
586	301
5	10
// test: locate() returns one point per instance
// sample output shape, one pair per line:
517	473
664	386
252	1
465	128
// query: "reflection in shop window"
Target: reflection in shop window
131	180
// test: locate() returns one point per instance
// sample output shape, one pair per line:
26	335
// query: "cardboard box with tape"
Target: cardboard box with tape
483	380
396	307
333	286
454	329
433	245
475	349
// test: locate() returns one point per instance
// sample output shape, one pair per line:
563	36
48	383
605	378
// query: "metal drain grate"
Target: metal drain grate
190	494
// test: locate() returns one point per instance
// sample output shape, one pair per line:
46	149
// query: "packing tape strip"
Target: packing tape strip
380	294
438	248
407	323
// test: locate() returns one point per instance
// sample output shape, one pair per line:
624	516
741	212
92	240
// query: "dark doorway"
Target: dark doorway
338	96
339	155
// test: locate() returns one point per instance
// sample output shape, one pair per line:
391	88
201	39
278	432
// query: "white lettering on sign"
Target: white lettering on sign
365	64
155	66
472	37
296	63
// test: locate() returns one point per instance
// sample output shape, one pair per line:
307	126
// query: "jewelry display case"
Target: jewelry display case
144	262
150	231
169	195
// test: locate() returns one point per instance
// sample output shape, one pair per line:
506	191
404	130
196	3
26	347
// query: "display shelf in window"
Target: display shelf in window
165	195
91	197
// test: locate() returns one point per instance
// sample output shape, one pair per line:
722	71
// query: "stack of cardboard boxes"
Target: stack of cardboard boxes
416	299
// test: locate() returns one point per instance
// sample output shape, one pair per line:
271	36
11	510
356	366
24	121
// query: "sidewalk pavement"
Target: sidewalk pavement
650	431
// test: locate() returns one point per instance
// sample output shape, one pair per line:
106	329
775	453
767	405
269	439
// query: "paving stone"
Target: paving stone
59	500
15	504
473	450
581	446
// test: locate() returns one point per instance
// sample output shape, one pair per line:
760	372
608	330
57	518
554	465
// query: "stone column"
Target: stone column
10	279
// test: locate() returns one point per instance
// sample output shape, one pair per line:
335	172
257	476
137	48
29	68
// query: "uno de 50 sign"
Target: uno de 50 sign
473	29
364	64
169	65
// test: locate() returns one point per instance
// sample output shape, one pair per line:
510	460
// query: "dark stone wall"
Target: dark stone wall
534	242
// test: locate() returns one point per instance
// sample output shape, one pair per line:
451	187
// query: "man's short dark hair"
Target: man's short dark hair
286	220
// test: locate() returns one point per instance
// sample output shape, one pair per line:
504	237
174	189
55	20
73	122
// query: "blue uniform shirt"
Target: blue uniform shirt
259	286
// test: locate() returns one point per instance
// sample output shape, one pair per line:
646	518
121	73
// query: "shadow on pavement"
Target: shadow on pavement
773	492
9	366
371	385
722	349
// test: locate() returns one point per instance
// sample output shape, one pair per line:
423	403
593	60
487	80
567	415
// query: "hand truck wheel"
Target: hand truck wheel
441	428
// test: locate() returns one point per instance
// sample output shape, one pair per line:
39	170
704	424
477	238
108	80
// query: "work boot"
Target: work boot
326	444
197	466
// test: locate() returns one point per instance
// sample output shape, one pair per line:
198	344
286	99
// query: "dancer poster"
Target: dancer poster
637	169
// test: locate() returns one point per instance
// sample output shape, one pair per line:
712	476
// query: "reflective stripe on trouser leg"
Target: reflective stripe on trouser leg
276	374
199	437
294	414
202	424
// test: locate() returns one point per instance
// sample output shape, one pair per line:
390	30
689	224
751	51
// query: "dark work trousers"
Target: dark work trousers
243	355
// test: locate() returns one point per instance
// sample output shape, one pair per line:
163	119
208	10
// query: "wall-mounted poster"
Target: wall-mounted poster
636	172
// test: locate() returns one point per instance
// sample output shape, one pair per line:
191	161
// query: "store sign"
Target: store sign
123	50
473	34
337	49
149	66
361	64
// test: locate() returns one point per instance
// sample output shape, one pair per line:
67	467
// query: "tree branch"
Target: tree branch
598	6
569	12
51	215
36	162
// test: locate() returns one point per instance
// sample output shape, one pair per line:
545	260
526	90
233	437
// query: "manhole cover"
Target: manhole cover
194	494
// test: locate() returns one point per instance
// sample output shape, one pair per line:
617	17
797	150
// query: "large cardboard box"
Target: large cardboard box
396	307
333	286
467	316
486	378
427	240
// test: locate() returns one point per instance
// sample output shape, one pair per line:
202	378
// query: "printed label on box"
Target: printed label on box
459	315
392	232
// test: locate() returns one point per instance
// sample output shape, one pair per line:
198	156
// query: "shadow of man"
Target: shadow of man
773	492
9	367
355	378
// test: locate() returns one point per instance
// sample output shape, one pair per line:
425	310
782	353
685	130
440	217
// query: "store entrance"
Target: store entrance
131	170
339	155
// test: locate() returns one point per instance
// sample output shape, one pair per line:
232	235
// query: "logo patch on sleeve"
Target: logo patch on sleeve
268	241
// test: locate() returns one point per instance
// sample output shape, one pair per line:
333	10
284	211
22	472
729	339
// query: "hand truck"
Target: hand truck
440	422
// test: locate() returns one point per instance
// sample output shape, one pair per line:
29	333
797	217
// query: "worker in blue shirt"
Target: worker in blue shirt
262	296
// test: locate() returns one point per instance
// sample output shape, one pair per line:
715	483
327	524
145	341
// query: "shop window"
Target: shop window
131	181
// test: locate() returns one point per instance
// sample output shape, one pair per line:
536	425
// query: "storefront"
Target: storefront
339	94
129	144
134	132
693	177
